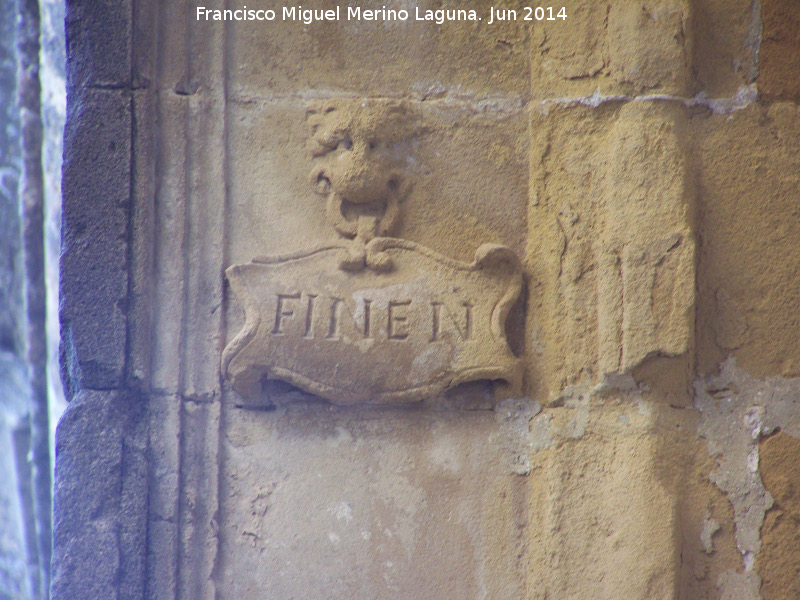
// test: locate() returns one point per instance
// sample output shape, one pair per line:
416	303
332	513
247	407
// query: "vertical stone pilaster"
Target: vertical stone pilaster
603	525
100	494
647	241
612	238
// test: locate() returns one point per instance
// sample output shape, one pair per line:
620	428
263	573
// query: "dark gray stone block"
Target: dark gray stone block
99	43
100	498
95	223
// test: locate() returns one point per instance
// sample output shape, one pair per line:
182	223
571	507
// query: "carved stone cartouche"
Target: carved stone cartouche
371	318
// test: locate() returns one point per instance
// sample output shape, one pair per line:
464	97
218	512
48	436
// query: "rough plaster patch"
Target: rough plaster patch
744	97
736	410
514	417
727	412
616	382
739	586
541	436
575	398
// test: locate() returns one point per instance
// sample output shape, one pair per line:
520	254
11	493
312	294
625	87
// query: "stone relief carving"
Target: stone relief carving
370	318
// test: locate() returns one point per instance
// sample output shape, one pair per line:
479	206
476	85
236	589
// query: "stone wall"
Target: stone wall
596	213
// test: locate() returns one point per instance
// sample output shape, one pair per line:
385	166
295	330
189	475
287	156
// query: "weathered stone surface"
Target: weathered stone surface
100	498
389	509
32	225
649	45
463	59
614	241
646	273
14	392
164	460
614	48
428	324
603	495
603	479
779	52
99	43
779	561
10	281
94	276
747	265
13	572
726	44
569	61
673	48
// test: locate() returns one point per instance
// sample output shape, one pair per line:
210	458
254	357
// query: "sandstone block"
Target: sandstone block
748	203
461	58
611	219
618	48
779	52
725	46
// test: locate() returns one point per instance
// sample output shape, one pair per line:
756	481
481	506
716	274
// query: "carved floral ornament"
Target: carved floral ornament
371	318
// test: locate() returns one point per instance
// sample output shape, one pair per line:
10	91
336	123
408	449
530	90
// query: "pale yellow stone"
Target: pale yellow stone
422	159
623	284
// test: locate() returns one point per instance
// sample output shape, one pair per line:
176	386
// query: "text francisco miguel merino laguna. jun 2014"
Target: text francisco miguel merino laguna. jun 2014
356	13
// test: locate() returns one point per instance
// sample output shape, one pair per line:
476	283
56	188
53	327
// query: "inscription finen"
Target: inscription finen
368	303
